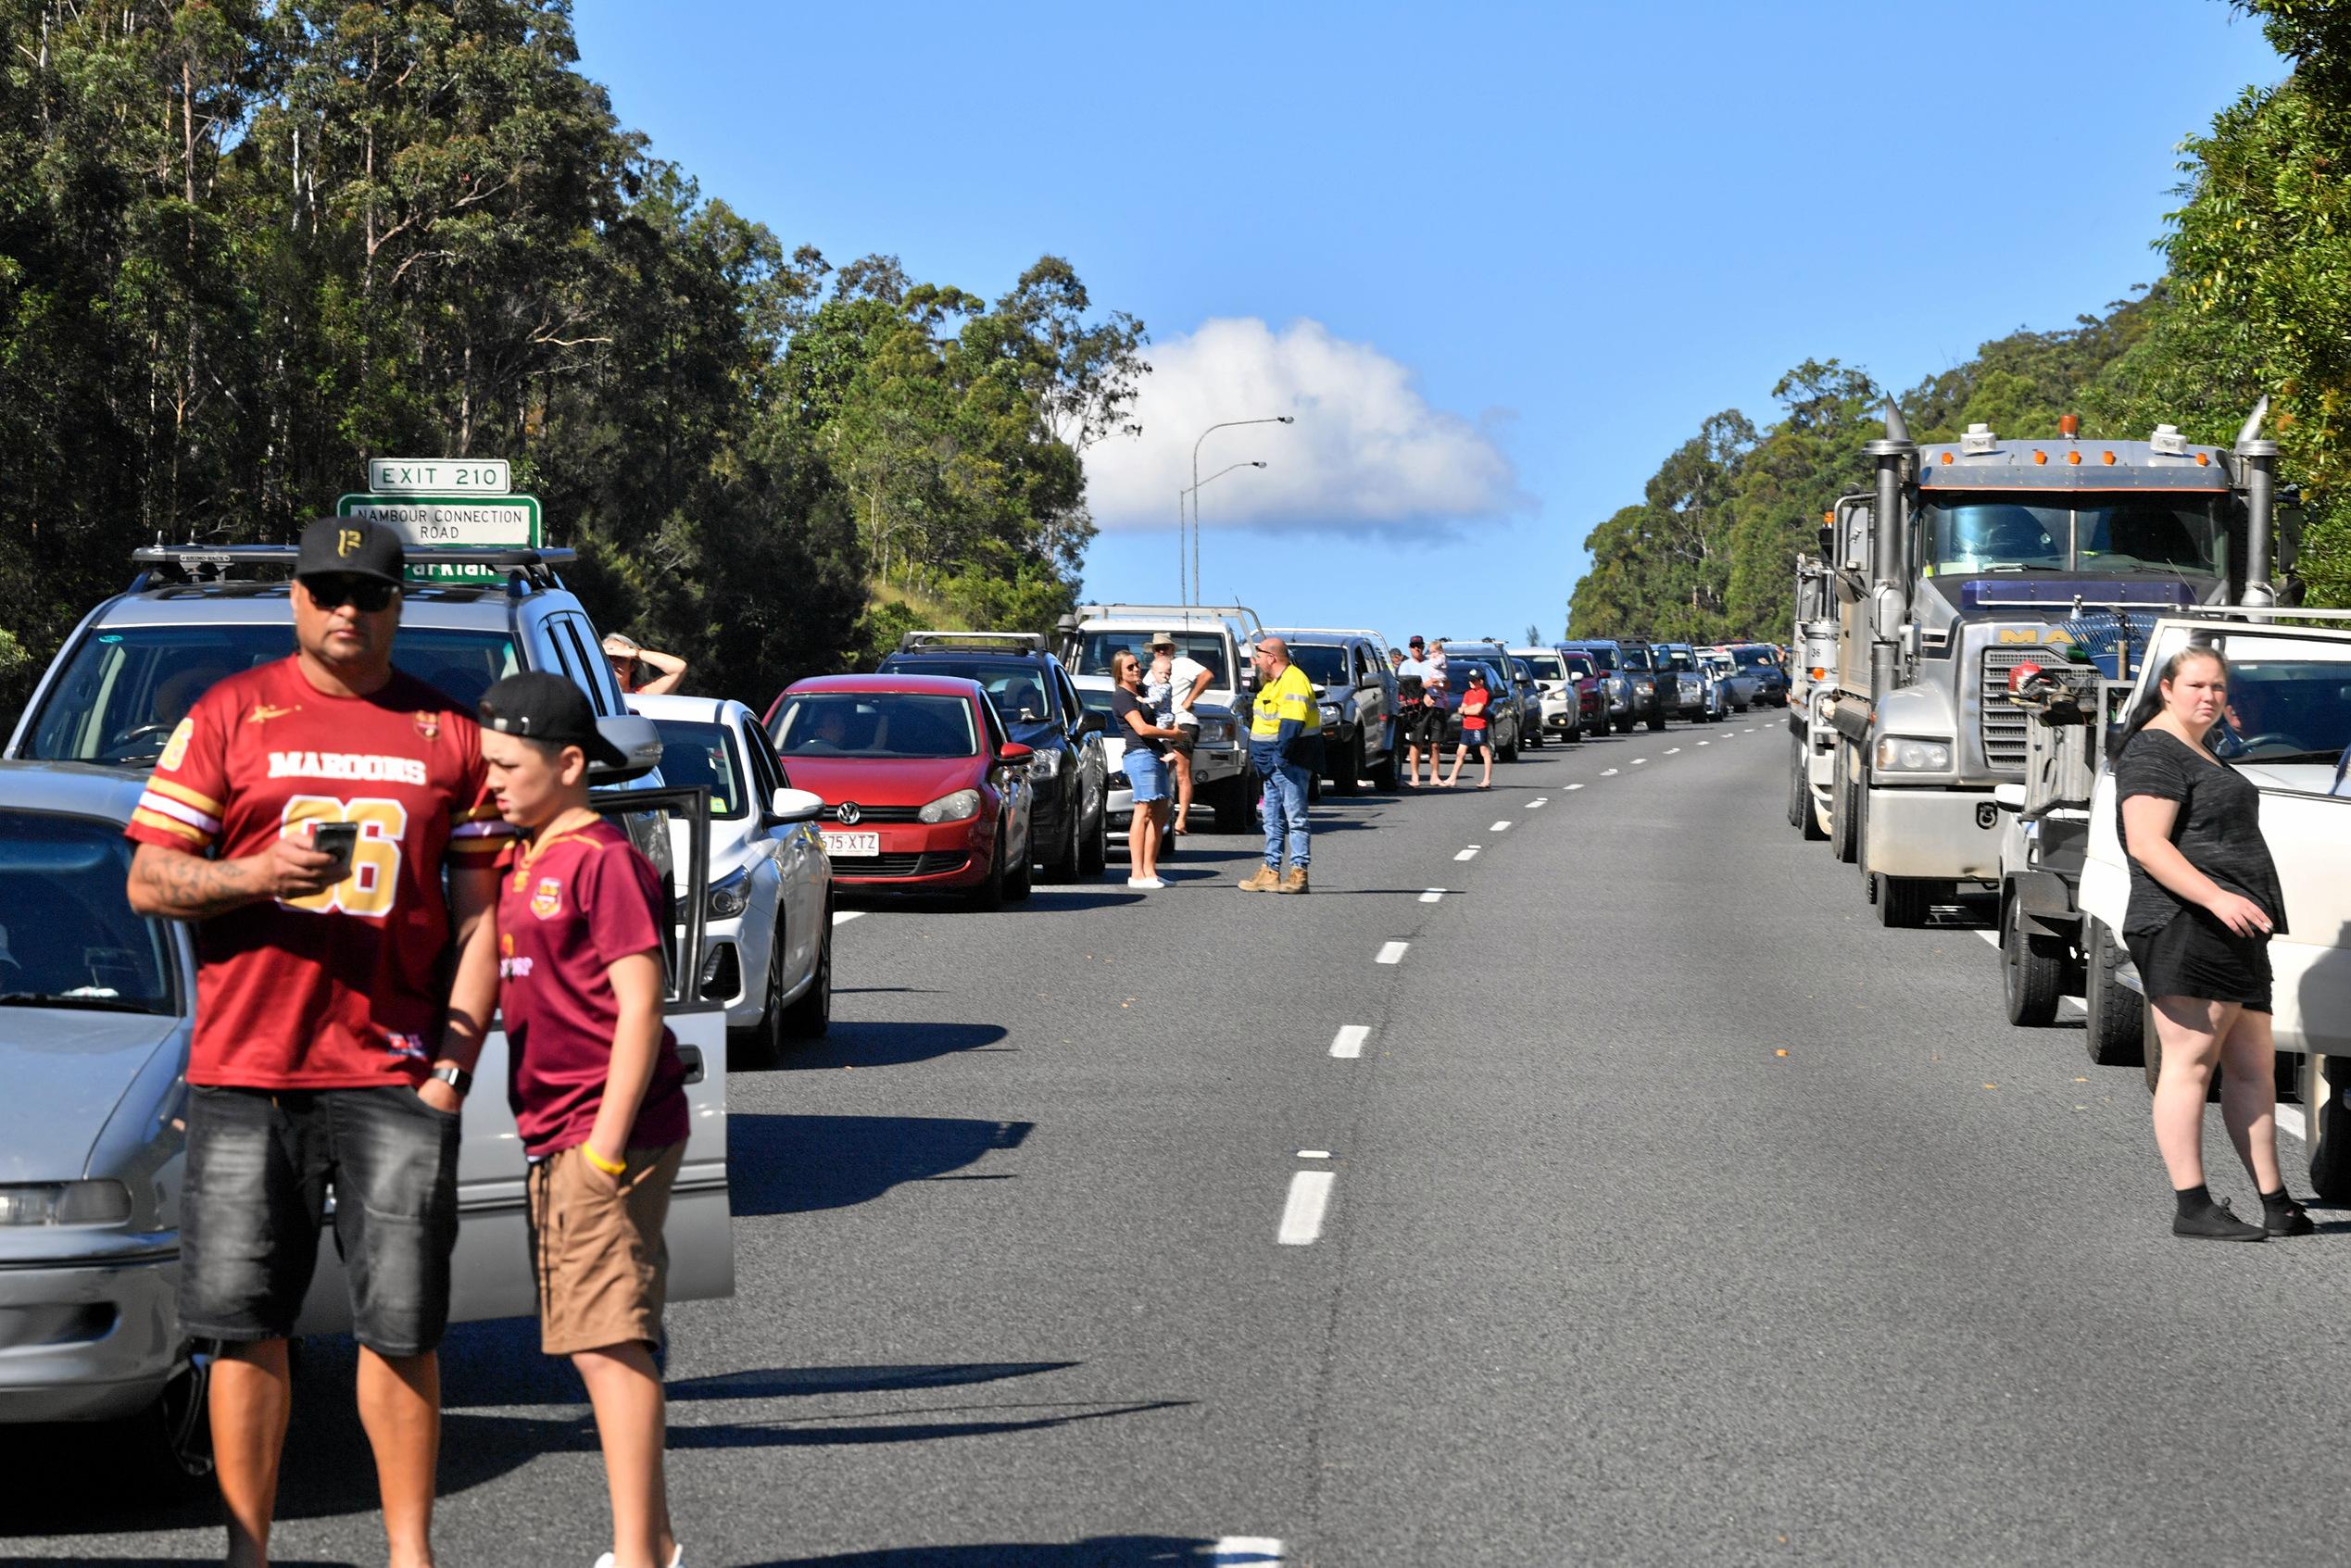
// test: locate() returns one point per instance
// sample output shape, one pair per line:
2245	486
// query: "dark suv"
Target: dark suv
1039	704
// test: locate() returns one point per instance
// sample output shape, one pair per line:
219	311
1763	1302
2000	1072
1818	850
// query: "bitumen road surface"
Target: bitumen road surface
1579	1174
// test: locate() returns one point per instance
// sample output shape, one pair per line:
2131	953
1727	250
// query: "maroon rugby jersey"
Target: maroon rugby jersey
347	988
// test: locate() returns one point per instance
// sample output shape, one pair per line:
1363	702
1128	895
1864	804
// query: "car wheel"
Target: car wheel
812	1015
1384	776
2114	1030
1625	725
171	1439
1020	877
1903	901
1843	841
1656	720
1093	849
1351	768
762	1044
2032	970
1063	866
989	894
1232	805
1797	804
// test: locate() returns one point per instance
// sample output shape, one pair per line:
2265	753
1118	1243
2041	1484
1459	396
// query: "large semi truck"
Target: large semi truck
1967	558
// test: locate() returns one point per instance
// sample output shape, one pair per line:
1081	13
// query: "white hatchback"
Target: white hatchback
768	955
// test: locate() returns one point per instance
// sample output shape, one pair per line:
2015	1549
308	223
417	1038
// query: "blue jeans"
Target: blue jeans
1283	806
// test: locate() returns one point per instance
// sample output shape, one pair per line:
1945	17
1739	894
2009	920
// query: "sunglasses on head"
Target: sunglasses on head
366	595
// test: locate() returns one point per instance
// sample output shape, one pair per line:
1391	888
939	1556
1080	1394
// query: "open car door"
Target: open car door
491	1271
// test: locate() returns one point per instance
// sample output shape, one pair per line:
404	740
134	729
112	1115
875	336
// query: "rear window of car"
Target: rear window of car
818	725
1755	658
1546	666
124	691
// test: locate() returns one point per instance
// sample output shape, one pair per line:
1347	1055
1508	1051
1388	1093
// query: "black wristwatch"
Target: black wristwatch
457	1078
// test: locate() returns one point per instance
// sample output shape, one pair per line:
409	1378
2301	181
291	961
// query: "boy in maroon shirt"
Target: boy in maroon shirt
597	1089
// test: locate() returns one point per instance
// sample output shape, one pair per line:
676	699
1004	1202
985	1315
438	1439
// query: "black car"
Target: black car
1038	705
1507	718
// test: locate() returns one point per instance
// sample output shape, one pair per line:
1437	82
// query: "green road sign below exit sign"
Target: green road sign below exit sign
473	521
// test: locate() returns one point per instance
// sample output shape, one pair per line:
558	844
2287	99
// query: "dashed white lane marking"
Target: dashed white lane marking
1531	805
1302	1212
1349	1042
1580	787
1313	1154
1673	751
2074	1003
1705	743
2290	1120
1639	760
1498	827
1432	894
1605	772
1245	1551
1469	854
1392	952
1991	936
842	917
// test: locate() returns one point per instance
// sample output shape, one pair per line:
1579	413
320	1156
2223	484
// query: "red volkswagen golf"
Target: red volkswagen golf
924	791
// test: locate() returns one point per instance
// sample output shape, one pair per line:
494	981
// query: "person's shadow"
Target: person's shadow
797	1164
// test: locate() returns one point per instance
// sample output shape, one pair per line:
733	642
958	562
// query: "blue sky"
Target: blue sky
1499	260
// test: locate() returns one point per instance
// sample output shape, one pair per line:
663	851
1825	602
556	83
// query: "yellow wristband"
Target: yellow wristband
609	1167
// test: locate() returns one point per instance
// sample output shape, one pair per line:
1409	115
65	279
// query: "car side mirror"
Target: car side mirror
1090	724
635	739
1014	751
791	805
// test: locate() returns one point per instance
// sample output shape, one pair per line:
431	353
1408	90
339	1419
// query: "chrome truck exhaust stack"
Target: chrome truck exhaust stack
1890	601
2259	457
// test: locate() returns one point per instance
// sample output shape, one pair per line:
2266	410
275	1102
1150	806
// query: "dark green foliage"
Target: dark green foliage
246	246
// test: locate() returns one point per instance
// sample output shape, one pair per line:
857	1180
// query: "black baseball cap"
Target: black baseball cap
542	705
350	546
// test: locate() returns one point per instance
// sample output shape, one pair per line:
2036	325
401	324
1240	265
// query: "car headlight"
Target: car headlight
951	807
1643	687
1045	765
730	896
1905	754
1215	731
64	1203
1330	713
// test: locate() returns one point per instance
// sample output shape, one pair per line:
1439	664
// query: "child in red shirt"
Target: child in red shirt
597	1085
1476	704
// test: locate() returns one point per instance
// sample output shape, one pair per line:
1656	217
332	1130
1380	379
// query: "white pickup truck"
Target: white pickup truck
2290	690
1222	776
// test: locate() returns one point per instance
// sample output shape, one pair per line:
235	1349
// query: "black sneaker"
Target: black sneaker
2286	1219
2216	1224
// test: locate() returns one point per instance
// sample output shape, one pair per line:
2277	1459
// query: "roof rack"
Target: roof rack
209	563
914	642
1250	625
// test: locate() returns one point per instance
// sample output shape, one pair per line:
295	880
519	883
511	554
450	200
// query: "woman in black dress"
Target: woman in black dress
2204	901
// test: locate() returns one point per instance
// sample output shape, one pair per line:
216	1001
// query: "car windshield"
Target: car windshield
2087	532
1721	663
1755	658
1017	688
699	756
1636	657
1546	666
875	724
69	938
124	690
1325	663
1094	650
1676	659
2289	697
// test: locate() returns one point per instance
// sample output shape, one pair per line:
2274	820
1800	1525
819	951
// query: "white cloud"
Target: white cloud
1367	450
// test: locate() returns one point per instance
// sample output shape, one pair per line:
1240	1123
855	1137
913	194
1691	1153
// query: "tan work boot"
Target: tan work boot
1294	881
1264	880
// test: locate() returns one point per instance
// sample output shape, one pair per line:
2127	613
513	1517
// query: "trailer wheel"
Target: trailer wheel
2034	969
2115	1030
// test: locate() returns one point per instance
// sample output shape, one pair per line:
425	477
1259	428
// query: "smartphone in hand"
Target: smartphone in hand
338	839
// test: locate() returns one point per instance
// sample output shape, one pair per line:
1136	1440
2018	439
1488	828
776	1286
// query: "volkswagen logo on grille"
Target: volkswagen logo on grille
849	812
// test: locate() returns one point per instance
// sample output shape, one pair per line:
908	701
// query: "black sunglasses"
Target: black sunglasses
366	595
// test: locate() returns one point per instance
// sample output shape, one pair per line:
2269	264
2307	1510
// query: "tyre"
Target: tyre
1063	866
808	1017
1797	805
760	1045
1093	846
989	894
1903	901
1844	840
1350	767
2330	1125
1656	720
2032	968
1384	776
1625	725
1020	877
2114	1031
170	1443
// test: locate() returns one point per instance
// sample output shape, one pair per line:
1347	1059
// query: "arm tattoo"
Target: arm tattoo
181	885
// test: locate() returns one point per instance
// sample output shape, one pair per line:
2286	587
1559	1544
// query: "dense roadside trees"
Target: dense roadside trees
245	246
2257	300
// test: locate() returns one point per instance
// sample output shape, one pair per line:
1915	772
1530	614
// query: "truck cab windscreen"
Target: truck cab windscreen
2093	534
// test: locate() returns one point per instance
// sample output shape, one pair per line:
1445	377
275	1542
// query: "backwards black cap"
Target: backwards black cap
350	546
542	705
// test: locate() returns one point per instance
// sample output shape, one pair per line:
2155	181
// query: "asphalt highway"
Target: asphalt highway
1579	1174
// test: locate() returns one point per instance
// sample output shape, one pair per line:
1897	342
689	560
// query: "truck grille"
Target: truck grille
2001	721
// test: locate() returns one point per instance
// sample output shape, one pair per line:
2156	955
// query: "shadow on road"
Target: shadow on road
797	1164
786	1383
848	1044
1099	1551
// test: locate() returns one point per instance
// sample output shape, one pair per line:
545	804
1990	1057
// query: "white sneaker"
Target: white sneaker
1131	881
677	1558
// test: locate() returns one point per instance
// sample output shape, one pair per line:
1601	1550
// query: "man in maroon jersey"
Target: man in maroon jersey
301	815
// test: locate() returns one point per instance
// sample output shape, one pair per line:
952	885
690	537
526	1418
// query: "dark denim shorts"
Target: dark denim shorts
260	1164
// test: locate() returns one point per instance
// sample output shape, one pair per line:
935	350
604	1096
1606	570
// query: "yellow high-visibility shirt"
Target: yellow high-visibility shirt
1289	696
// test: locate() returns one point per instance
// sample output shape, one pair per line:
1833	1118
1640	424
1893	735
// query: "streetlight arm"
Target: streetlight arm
1221	424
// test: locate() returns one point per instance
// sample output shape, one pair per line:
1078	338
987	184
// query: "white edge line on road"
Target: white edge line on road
1432	895
1498	827
1392	952
1302	1211
1468	854
1989	936
1349	1042
842	917
1244	1552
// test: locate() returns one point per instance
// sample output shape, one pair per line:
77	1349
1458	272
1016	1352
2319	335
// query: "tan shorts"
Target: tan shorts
597	1249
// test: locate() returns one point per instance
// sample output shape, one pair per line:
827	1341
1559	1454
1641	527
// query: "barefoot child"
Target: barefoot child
597	1085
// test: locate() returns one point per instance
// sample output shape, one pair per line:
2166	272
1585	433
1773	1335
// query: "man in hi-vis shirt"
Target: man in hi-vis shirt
301	816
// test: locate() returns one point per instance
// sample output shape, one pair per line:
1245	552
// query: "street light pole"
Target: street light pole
1224	424
1193	491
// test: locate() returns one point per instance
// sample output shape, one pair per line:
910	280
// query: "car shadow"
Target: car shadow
1096	1551
800	1164
852	1043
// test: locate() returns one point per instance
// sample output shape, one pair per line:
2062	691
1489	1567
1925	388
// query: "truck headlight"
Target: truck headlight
64	1203
730	896
1904	754
951	807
